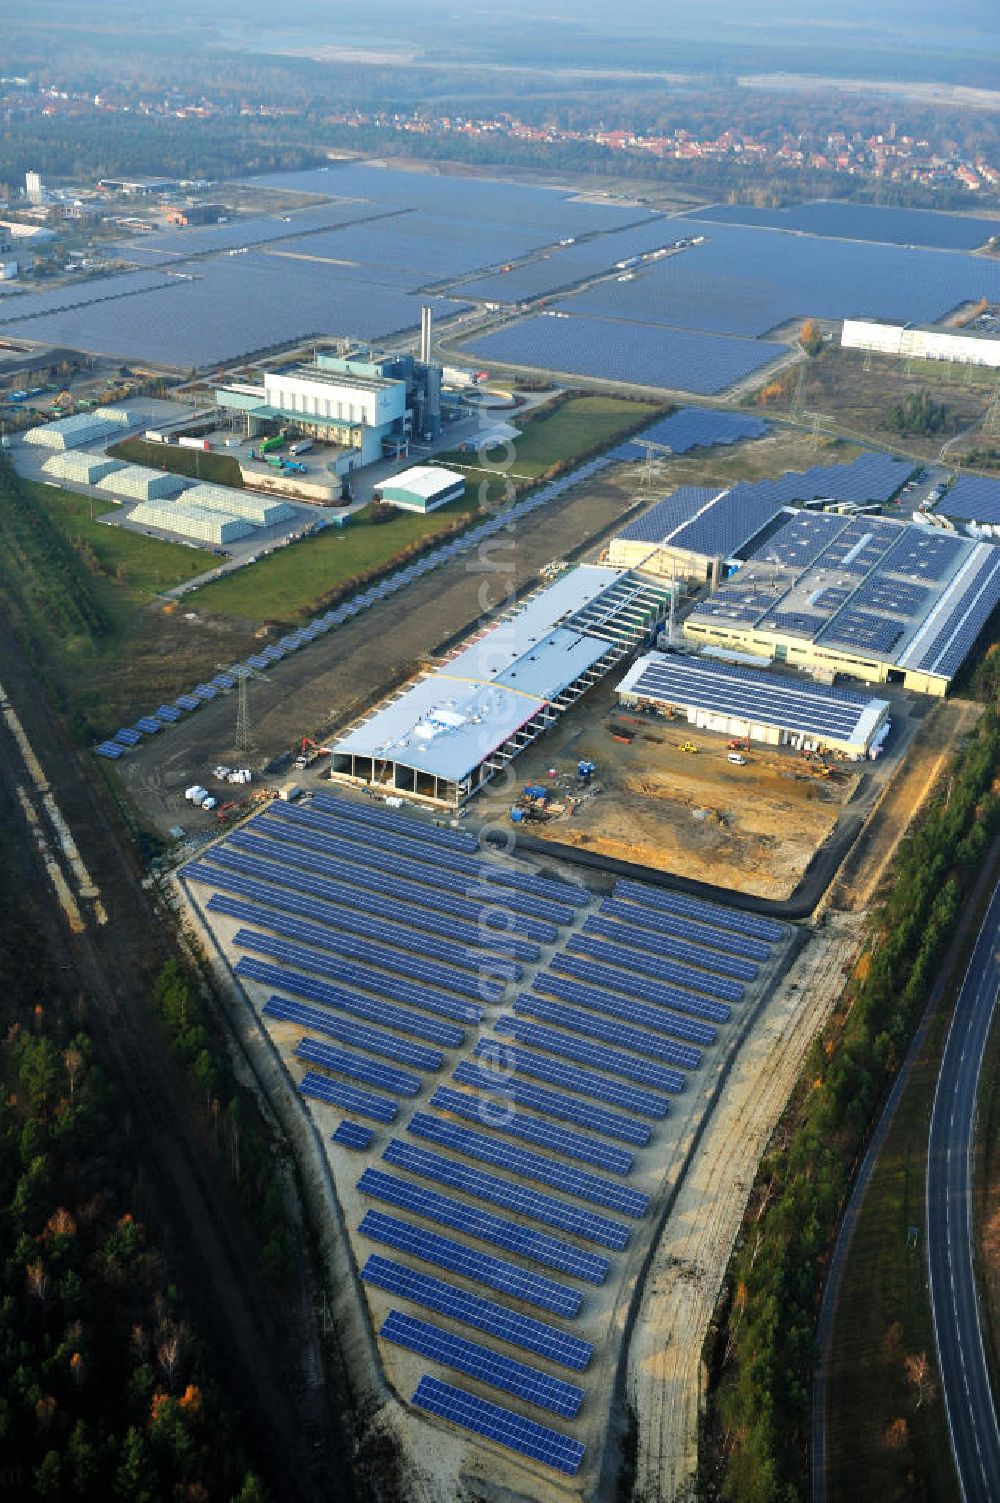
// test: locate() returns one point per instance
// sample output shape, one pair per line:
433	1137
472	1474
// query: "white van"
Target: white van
737	759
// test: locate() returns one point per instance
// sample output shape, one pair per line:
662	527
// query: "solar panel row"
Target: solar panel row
507	1194
647	941
697	908
358	1067
477	1361
348	1097
630	1066
483	1268
691	978
604	977
649	1045
485	1226
506	1119
482	1314
552	1103
514	1431
534	1166
506	1058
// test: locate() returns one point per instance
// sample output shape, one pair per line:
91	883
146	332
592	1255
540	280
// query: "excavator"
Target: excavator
309	752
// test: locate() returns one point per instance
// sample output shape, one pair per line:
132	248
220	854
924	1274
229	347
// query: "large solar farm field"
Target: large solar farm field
497	1068
614	350
846	221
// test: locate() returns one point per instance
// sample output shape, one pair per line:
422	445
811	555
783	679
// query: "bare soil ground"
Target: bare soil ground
945	724
682	1286
340	675
838	386
753	829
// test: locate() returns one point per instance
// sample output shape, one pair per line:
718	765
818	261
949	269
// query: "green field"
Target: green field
196	464
558	435
293	580
128	568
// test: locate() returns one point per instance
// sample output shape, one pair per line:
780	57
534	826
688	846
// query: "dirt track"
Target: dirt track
664	1371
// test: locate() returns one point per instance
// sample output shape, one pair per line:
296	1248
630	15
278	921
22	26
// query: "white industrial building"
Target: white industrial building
423	488
195	522
450	732
261	511
80	468
71	432
138	483
962	346
757	705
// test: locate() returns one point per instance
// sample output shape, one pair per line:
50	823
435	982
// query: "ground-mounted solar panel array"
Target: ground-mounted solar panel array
845	221
499	1063
642	354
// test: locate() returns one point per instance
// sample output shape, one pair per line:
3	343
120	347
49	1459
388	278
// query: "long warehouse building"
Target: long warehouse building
450	732
759	705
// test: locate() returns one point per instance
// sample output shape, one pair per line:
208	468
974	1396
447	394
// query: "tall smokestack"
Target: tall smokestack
425	334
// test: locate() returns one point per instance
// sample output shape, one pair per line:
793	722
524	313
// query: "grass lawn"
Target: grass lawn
556	436
132	567
220	469
290	581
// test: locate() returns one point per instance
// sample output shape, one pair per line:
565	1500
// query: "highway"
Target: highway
965	1379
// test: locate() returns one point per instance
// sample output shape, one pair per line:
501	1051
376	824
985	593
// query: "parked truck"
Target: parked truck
185	442
276	441
301	446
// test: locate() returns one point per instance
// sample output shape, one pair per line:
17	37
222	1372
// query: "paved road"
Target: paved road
965	1379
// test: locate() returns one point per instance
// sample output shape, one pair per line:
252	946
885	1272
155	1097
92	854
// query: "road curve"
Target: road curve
958	1335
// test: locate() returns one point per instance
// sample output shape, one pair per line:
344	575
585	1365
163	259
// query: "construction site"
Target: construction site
532	919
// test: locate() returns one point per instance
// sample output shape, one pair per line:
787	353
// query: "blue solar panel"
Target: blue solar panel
482	1314
187	702
373	814
485	1226
974	499
978	597
507	1194
648	1016
352	1135
698	908
864	631
301	847
402	1018
204	692
619	351
514	1124
341	904
387	956
127	736
168	713
337	920
223	681
656	943
148	725
650	1045
731	521
279	866
553	1103
358	975
699	428
348	1097
456	1257
561	1452
373	1039
505	1057
657	524
646	1071
545	1171
476	1361
371	1071
109	749
696	979
605	977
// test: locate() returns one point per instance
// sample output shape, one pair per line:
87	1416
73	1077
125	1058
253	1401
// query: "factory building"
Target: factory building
866	597
423	488
757	705
452	731
962	346
369	408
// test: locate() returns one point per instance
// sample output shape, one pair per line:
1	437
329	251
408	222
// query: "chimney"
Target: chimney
425	334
